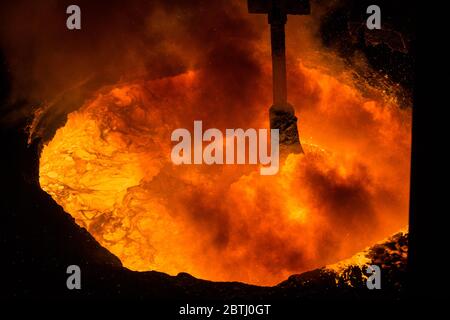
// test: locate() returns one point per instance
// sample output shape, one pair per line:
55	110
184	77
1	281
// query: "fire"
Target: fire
109	167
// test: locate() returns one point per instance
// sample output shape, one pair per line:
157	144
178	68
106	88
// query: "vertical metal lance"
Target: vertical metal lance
281	113
278	62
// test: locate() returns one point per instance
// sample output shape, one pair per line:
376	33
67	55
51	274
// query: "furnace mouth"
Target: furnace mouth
109	167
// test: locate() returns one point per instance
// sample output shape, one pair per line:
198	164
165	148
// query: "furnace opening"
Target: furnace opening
109	167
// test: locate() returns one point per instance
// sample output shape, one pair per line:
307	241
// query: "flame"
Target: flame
109	167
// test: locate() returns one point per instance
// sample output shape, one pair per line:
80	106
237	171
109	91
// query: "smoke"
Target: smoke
120	41
110	167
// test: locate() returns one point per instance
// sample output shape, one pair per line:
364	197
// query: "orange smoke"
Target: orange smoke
110	168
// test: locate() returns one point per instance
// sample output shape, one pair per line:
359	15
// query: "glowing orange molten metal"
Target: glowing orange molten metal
110	168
